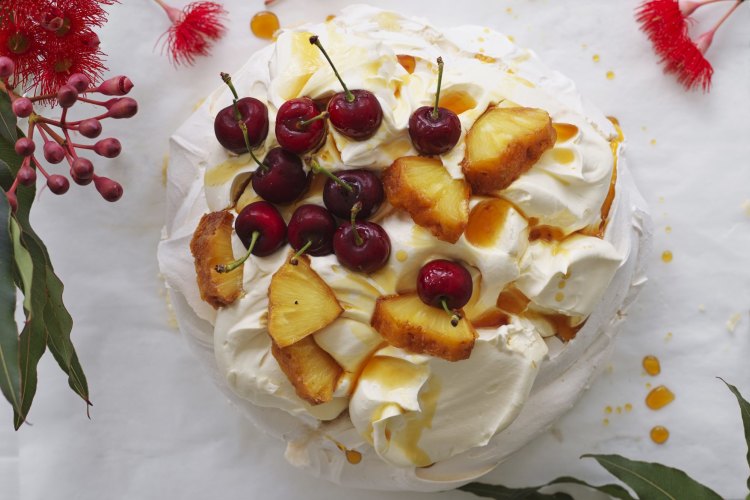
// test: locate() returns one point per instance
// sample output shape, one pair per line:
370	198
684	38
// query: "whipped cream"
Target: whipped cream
436	411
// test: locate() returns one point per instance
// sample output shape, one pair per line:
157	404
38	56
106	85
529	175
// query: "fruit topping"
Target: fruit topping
261	229
311	370
212	245
344	189
425	189
434	130
244	117
356	114
300	127
503	144
280	178
407	322
311	230
361	246
445	284
299	302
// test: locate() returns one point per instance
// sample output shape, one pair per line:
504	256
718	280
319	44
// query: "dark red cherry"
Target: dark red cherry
361	246
366	188
300	127
255	116
311	227
357	114
444	284
280	178
434	130
261	229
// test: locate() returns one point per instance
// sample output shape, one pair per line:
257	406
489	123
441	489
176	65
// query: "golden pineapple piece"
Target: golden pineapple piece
425	189
299	302
407	322
311	370
212	245
503	144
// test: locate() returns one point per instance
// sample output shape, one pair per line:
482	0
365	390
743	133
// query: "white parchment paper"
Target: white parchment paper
159	427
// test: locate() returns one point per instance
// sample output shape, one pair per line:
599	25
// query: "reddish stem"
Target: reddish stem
92	101
40	168
175	15
704	41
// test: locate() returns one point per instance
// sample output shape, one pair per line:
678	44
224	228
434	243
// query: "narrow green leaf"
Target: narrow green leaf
654	481
7	119
502	493
23	264
59	325
613	490
9	376
34	334
745	411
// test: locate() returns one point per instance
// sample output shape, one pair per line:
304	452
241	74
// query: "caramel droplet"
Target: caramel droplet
659	434
651	365
595	57
659	397
264	24
666	256
408	62
401	256
610	75
353	457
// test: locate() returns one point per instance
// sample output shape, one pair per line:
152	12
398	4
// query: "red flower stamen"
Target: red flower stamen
193	30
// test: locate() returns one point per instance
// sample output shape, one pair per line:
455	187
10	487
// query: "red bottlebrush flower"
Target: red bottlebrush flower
666	22
70	56
193	29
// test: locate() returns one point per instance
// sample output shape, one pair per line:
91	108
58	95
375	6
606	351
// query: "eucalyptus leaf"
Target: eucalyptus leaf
23	264
10	382
7	119
613	490
503	493
745	411
654	481
34	334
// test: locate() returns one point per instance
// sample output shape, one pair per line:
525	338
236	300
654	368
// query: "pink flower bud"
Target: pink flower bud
79	81
23	107
12	201
25	146
67	95
124	107
90	40
53	152
82	168
108	148
90	128
58	184
118	85
26	175
7	67
109	189
79	181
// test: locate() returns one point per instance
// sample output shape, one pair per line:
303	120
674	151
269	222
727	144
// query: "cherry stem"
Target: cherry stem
320	170
435	112
293	260
305	123
353	220
455	317
315	41
228	268
238	116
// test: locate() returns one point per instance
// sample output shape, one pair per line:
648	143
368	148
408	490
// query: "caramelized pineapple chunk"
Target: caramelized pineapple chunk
407	322
503	144
311	370
425	189
299	303
212	245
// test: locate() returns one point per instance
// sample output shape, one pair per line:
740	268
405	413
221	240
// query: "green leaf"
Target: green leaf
745	411
502	493
10	383
654	481
7	119
23	264
34	334
613	490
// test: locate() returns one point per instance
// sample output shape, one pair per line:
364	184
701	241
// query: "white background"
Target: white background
160	430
